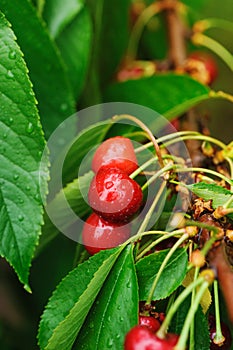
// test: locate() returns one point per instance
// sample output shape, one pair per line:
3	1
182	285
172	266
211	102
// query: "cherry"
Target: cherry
136	70
225	331
201	67
141	338
114	196
98	234
210	64
115	152
149	322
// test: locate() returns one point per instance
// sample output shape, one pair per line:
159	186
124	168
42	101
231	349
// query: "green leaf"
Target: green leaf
85	142
59	13
46	68
72	300
75	44
171	278
63	214
218	194
115	310
21	145
202	340
114	34
167	94
69	23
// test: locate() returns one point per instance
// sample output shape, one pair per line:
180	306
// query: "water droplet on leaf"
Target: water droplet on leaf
110	343
9	74
16	176
20	217
29	128
12	55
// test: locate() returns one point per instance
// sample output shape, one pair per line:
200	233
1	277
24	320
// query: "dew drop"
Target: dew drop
9	74
12	55
29	128
21	218
21	201
118	336
16	176
28	188
121	319
110	343
118	307
11	120
128	285
4	136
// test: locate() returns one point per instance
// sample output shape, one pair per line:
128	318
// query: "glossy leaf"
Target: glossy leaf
78	152
21	145
171	278
218	194
60	211
167	94
115	310
201	337
46	68
59	13
74	43
114	34
72	300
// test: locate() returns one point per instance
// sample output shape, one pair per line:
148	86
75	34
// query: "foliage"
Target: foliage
61	57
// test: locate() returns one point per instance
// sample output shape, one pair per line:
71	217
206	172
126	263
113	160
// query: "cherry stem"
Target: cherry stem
208	23
204	170
215	46
174	307
138	27
181	345
167	137
165	236
201	138
218	338
146	220
182	239
192	326
221	94
147	130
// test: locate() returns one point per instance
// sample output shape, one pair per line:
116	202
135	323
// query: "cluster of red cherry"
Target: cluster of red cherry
113	195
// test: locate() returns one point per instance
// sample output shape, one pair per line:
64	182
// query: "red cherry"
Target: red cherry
98	234
115	152
114	195
141	338
149	322
136	70
226	345
210	64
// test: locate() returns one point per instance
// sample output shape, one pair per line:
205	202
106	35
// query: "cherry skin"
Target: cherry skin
149	322
98	234
210	64
115	152
225	331
136	70
114	196
141	338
